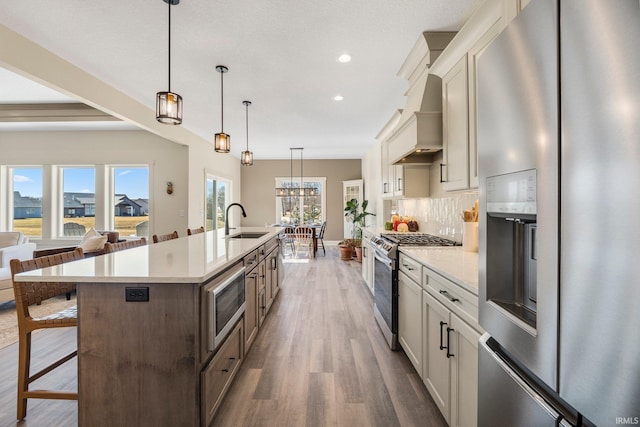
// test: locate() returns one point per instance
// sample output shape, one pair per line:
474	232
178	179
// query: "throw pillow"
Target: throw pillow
93	243
89	234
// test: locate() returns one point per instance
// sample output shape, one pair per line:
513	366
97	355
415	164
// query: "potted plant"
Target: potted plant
346	250
357	214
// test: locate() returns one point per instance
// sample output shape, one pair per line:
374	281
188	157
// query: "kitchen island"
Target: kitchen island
145	356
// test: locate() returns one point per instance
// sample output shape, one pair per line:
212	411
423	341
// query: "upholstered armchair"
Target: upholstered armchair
13	245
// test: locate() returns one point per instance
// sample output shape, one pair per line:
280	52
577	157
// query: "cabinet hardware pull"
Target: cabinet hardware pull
442	347
441	166
385	187
231	360
448	295
449	342
407	267
252	275
399	184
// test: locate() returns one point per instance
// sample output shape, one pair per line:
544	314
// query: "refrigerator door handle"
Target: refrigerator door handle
524	386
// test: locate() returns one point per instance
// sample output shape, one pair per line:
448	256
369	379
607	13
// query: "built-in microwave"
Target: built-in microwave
225	304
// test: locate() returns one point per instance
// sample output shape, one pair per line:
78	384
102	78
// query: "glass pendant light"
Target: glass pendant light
246	158
222	140
169	104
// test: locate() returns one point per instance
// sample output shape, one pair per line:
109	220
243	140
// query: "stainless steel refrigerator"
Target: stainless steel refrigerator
559	256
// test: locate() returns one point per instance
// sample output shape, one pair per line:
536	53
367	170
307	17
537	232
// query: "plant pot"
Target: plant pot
346	252
359	253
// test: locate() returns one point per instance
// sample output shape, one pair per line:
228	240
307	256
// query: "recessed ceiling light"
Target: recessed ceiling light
345	57
338	98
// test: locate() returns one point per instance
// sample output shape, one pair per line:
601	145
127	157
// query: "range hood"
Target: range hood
419	131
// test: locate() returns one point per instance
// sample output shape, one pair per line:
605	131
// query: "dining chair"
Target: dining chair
287	239
127	244
165	237
320	236
192	231
31	293
303	240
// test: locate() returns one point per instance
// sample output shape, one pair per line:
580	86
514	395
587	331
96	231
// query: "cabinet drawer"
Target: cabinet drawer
270	245
456	299
217	376
251	260
411	267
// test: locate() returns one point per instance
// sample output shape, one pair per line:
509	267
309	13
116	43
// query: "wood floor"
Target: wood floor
319	359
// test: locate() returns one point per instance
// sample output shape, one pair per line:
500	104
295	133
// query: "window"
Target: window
57	202
27	200
79	200
131	201
296	209
218	197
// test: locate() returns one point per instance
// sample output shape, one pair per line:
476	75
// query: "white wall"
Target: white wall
167	161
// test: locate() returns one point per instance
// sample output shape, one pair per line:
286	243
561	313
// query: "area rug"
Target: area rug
9	320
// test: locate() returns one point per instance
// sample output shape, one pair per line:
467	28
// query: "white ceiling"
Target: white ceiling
281	56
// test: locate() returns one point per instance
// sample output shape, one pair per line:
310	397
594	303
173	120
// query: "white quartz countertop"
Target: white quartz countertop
190	259
452	262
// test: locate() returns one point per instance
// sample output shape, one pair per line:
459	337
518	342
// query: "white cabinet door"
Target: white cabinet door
398	180
474	53
464	374
435	364
410	319
367	263
455	130
351	190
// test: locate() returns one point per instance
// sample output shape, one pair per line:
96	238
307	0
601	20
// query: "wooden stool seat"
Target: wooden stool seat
192	231
165	237
67	317
127	244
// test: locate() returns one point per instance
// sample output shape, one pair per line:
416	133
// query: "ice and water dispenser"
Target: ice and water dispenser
511	244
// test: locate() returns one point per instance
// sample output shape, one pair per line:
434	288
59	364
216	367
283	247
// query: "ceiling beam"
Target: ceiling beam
52	112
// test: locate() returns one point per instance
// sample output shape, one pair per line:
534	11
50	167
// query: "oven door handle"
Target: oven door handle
385	261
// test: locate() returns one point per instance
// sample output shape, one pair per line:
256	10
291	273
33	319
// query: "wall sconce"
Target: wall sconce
169	187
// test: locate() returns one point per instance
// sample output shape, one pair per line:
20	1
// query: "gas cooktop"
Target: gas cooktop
418	239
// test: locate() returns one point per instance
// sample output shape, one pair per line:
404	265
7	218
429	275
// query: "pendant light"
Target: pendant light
169	104
222	140
246	158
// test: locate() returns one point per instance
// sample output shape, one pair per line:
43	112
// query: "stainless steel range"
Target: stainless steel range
386	276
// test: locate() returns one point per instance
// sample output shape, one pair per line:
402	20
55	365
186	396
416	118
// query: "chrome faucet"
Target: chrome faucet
226	217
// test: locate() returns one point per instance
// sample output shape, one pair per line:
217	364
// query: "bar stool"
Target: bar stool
31	293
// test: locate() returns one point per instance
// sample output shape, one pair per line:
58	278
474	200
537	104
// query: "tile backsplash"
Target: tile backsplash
441	216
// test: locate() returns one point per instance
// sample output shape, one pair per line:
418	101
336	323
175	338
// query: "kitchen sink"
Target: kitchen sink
249	235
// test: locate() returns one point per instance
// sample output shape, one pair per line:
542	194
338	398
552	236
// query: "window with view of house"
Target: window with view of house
51	202
131	200
301	209
26	209
78	200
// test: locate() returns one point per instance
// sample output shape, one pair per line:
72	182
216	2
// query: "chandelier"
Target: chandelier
301	191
